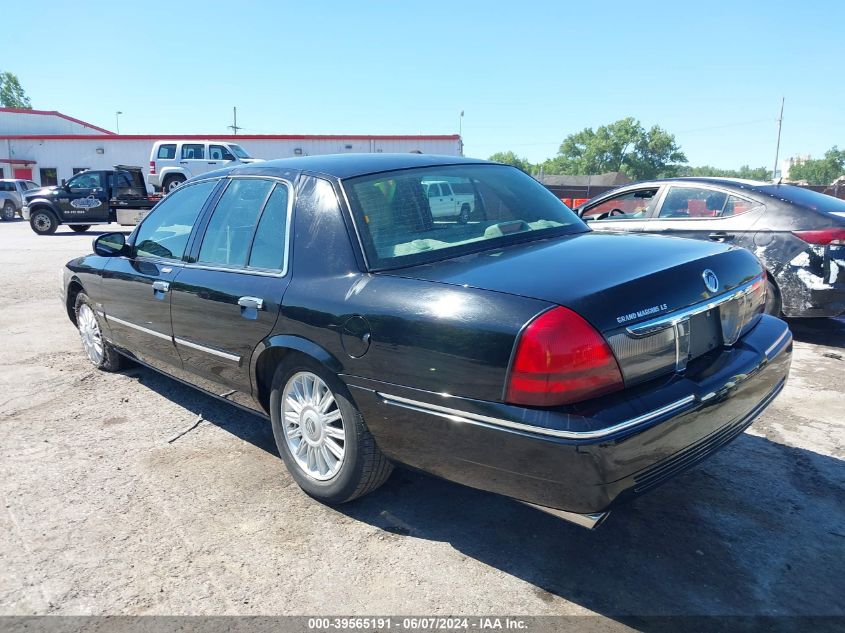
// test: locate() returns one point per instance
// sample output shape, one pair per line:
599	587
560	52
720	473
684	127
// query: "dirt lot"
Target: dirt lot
101	515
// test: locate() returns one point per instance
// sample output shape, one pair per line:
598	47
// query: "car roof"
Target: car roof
350	165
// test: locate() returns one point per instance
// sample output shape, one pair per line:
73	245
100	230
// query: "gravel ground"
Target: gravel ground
101	515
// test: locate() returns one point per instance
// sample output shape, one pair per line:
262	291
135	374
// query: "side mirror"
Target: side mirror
110	245
64	182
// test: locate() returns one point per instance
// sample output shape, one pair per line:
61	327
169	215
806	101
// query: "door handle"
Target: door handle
251	302
720	236
183	162
212	163
161	286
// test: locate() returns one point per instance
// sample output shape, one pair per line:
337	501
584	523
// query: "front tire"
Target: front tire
99	351
79	228
8	212
43	222
320	434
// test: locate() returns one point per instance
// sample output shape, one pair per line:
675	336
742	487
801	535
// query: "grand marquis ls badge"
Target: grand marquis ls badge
710	280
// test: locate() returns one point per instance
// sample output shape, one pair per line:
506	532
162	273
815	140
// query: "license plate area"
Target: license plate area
705	333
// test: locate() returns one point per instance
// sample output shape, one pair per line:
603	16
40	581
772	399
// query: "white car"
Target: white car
446	202
11	196
173	162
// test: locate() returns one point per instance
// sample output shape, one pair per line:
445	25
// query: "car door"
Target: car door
706	213
136	289
626	211
219	156
227	299
85	198
192	159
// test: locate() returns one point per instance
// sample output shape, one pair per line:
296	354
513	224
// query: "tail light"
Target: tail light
561	359
152	167
822	237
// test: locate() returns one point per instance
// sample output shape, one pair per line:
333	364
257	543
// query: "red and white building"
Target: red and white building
47	146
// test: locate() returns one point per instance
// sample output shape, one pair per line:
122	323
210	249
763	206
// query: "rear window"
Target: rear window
401	222
806	198
167	151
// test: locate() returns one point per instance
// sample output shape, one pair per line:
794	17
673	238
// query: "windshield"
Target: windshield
238	151
806	198
413	216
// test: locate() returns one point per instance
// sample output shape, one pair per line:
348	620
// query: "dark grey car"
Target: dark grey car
798	234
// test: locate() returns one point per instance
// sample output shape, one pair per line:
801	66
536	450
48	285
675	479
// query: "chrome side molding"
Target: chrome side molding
458	415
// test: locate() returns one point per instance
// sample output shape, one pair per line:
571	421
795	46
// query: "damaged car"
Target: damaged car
324	294
796	233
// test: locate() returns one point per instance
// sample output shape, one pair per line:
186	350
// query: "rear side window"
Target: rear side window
229	234
167	151
165	231
693	202
193	151
6	186
270	243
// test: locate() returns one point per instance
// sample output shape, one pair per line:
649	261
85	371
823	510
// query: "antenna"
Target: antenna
234	127
777	148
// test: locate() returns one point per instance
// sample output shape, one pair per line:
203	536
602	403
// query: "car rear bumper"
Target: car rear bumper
589	457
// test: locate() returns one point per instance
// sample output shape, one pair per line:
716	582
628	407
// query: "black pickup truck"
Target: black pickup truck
95	196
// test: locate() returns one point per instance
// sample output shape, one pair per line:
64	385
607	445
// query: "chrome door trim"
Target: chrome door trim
140	328
208	350
474	418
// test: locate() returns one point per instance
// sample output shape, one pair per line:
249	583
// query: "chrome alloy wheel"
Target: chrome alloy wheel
89	331
313	426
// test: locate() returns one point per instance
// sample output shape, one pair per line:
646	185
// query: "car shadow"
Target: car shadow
93	233
757	529
829	332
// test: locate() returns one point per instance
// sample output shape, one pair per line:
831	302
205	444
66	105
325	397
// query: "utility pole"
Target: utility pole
234	127
460	131
777	147
117	120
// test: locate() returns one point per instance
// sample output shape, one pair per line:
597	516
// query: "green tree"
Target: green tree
746	172
624	145
822	171
509	158
12	94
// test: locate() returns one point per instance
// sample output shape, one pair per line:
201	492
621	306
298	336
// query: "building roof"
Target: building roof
609	179
54	113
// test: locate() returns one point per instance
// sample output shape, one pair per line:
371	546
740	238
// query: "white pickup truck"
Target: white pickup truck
445	203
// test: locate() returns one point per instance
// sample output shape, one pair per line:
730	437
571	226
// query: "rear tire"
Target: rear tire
307	432
43	222
99	351
774	306
172	182
8	212
463	216
79	228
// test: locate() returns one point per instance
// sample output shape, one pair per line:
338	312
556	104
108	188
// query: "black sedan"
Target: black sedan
798	234
321	293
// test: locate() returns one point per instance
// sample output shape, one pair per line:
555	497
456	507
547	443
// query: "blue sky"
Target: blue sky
526	73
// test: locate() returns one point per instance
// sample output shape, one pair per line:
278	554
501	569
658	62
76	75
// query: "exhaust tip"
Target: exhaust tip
590	521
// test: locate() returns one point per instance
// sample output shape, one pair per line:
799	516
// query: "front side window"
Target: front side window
167	151
193	151
503	206
631	205
693	202
86	180
230	230
219	152
165	231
